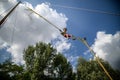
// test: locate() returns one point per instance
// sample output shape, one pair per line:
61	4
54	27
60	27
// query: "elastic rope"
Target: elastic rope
103	68
45	19
91	50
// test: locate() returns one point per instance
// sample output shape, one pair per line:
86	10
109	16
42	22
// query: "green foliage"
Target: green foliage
91	70
38	59
62	68
10	71
42	62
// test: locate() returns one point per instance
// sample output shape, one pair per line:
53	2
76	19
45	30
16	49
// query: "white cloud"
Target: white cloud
107	47
86	52
24	28
73	58
62	44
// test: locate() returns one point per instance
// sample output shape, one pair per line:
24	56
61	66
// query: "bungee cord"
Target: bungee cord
83	40
45	19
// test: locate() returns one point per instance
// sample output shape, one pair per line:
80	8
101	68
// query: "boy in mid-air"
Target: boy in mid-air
66	35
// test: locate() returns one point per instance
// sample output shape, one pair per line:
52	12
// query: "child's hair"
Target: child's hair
65	29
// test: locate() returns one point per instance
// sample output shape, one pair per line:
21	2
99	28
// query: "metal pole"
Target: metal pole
2	21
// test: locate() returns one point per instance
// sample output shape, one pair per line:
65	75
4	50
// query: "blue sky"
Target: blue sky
85	23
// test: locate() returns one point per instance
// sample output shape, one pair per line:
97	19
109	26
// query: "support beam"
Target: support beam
2	21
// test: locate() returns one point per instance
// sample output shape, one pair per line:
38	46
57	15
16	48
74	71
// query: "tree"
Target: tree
43	62
62	68
4	72
38	59
10	71
91	70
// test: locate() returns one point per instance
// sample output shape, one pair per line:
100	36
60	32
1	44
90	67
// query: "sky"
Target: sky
24	28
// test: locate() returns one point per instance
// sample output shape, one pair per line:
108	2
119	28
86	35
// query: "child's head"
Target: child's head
64	29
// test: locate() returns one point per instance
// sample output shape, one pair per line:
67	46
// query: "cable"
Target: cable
13	31
89	10
45	19
91	50
103	68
